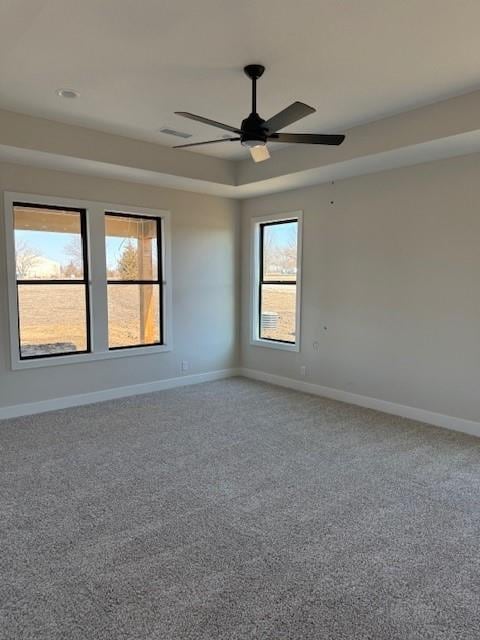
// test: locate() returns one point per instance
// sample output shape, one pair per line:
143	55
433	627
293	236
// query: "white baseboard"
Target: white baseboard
437	419
14	411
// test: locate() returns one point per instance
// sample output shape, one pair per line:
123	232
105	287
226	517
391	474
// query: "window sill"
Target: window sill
271	344
89	357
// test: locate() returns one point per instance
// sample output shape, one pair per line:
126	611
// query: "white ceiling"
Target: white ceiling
136	62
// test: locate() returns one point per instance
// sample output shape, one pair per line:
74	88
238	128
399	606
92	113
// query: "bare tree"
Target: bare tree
289	250
74	268
282	254
25	258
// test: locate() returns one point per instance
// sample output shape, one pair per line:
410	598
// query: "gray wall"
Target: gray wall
205	292
392	270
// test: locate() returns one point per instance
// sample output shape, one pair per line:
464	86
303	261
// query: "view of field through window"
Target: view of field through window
278	280
51	291
133	280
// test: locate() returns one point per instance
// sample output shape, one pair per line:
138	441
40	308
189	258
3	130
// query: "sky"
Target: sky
52	245
280	235
47	244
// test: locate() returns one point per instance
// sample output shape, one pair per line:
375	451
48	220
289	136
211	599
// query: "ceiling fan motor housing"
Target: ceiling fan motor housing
252	131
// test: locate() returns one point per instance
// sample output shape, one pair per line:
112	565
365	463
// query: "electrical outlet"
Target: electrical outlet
303	371
185	365
316	346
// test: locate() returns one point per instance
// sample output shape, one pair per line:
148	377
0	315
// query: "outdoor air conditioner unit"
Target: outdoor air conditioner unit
269	320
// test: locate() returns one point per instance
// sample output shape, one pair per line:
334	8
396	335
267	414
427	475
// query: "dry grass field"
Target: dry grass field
124	315
56	314
52	313
281	300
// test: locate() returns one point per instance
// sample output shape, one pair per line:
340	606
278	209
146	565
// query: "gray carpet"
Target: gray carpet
237	510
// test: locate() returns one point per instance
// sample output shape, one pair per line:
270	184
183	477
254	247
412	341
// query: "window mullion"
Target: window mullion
98	279
86	272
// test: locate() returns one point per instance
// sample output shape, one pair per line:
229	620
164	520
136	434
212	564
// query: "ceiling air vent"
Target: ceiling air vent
173	132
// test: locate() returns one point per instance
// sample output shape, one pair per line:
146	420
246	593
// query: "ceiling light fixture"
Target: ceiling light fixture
67	93
258	150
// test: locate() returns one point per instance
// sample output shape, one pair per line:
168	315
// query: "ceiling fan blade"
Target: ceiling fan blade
291	114
260	153
212	123
307	138
197	144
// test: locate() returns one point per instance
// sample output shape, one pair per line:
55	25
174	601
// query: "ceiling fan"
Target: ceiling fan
254	132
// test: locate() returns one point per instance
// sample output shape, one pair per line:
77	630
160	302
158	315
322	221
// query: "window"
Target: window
276	281
133	250
51	270
86	280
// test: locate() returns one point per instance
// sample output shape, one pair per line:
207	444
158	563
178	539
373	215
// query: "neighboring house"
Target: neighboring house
41	267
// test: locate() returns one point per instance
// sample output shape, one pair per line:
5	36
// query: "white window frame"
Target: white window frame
255	339
95	214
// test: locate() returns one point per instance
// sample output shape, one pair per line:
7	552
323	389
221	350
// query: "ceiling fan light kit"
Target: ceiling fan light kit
259	152
254	132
